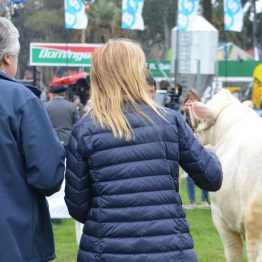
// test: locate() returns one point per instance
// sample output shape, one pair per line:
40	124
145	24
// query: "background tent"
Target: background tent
232	52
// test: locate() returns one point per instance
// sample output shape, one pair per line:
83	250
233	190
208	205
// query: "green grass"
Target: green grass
183	193
207	242
65	241
208	245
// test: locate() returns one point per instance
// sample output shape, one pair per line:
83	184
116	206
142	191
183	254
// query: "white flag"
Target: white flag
187	12
132	14
75	15
233	15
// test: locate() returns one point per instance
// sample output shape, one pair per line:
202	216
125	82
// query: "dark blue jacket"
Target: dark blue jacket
31	167
126	193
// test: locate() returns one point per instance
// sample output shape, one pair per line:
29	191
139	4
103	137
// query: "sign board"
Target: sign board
50	54
159	68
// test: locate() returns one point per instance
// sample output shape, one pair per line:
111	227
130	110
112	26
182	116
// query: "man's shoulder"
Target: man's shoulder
13	86
11	89
61	103
47	103
70	104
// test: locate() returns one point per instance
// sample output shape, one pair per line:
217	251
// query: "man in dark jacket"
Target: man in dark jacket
63	114
31	162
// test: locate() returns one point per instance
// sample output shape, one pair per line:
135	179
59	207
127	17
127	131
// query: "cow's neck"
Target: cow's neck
227	120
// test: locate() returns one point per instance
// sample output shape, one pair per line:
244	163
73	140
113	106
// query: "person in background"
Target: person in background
151	83
123	162
192	96
79	105
62	113
50	96
164	85
31	162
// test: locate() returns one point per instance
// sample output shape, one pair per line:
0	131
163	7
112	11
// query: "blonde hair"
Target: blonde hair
118	77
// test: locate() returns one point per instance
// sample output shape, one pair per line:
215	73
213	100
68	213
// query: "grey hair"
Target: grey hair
9	38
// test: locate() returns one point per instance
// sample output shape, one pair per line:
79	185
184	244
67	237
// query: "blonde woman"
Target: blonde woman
123	160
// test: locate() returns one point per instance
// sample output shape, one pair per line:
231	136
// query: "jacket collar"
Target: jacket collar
33	89
4	76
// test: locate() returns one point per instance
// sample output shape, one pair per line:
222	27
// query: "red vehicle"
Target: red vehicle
78	84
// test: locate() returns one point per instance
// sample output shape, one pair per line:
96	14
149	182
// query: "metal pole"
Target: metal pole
226	52
83	40
176	64
198	80
34	76
254	29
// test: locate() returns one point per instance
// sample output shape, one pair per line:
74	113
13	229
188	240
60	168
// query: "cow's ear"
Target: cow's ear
248	103
203	112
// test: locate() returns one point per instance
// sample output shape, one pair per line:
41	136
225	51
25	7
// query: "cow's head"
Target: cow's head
208	114
207	117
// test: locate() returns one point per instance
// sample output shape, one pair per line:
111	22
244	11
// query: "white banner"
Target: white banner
233	15
75	15
132	14
187	12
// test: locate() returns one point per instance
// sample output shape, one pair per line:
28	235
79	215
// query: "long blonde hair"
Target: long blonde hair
118	77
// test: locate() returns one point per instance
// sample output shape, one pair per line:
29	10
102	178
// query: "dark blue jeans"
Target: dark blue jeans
190	186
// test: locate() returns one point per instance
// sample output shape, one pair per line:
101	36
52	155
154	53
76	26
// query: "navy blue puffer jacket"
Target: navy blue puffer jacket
126	193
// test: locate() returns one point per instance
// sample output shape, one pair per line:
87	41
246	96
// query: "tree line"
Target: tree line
43	21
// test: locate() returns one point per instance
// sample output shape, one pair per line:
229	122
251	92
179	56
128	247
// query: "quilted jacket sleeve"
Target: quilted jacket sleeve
78	186
201	164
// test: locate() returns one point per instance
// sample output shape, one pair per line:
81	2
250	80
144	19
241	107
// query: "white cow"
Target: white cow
235	131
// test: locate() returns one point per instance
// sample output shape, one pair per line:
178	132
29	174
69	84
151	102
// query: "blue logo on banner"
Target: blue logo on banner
186	9
231	9
73	7
130	13
18	1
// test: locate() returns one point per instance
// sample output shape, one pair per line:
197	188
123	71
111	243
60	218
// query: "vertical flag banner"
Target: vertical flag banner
233	15
132	14
18	1
187	12
75	15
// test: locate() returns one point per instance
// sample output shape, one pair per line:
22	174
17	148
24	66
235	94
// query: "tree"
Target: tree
159	17
105	22
238	38
41	21
207	10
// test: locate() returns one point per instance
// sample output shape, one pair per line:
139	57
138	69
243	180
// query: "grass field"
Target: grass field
207	242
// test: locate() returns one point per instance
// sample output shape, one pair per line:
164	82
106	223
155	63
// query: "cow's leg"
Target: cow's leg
233	245
253	227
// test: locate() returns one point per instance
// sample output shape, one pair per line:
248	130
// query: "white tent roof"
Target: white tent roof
201	24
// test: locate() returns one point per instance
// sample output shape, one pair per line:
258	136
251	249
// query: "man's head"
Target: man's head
57	91
9	47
